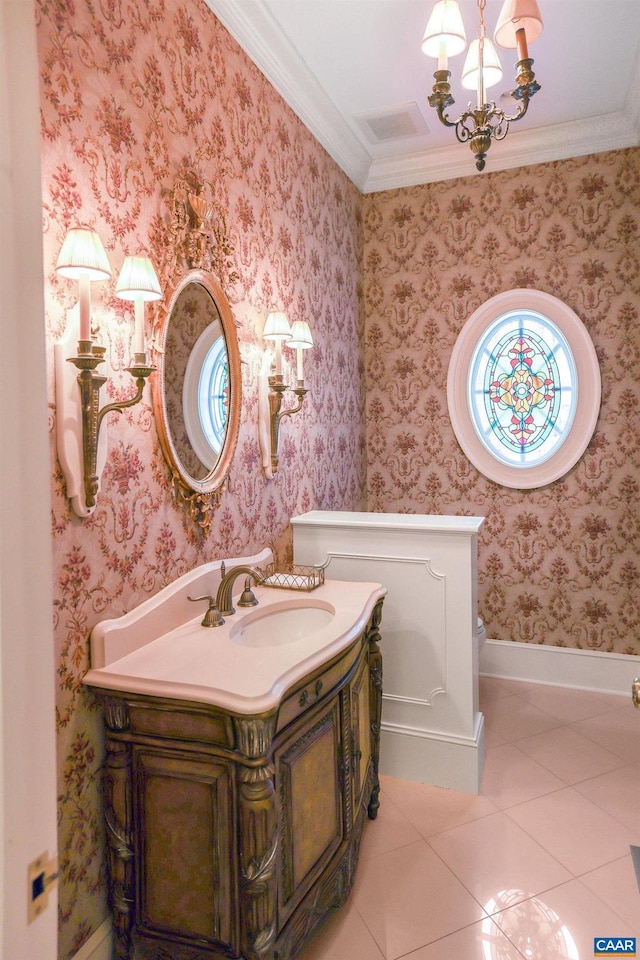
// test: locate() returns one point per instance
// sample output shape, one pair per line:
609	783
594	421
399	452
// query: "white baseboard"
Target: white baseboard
429	756
559	666
99	946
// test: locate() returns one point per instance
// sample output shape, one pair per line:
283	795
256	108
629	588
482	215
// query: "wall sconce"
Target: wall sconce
272	386
81	445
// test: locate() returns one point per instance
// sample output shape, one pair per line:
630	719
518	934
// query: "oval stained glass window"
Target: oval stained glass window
524	388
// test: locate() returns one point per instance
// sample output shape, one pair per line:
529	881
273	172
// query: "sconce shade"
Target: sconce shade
515	15
277	327
82	255
492	72
445	31
138	280
300	335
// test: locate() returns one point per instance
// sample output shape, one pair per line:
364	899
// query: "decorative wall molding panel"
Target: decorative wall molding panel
432	730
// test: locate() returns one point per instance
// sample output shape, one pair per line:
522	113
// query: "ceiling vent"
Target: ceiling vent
394	123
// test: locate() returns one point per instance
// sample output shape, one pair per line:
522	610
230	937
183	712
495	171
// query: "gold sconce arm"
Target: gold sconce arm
271	387
90	382
276	413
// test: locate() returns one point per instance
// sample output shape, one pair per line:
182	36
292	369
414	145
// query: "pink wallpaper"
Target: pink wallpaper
134	96
558	565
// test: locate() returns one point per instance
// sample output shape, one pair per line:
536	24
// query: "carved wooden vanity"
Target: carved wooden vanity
234	835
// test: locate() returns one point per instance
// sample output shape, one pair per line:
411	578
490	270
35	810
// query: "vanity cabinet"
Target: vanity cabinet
233	835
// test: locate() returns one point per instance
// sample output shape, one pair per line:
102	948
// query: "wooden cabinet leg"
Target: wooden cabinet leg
258	860
258	828
120	856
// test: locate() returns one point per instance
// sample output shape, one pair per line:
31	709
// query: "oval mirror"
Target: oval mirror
197	391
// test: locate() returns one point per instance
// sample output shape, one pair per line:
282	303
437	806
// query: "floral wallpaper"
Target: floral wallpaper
135	96
138	94
557	565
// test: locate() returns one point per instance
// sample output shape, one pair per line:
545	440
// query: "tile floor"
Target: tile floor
533	868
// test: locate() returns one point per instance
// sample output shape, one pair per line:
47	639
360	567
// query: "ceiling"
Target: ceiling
352	69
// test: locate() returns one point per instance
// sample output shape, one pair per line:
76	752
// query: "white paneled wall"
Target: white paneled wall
432	730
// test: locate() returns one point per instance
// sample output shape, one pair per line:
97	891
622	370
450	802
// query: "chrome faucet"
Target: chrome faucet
247	598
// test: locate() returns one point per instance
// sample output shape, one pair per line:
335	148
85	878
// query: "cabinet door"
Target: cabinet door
309	778
361	732
185	875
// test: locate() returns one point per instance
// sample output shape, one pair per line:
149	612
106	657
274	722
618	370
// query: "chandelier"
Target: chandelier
519	22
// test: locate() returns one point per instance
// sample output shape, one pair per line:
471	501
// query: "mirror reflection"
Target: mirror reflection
197	394
196	380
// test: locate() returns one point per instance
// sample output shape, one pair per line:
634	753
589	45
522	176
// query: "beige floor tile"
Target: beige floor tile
495	854
492	738
617	731
569	755
480	941
518	687
577	832
408	898
619	794
491	688
345	937
570	705
511	777
390	829
435	809
514	718
526	830
616	885
560	923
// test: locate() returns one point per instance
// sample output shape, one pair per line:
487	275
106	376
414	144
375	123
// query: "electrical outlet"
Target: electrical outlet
42	876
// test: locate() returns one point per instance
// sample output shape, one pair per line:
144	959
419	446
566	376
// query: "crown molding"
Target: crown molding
260	36
262	39
521	148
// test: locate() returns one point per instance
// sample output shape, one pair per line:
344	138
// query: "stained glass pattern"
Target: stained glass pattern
522	389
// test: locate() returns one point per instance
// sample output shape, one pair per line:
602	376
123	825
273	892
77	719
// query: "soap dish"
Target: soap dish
293	578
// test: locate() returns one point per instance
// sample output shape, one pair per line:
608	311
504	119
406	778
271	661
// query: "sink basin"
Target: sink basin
160	648
282	624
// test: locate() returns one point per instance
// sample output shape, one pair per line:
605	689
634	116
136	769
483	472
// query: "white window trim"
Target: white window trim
207	455
588	389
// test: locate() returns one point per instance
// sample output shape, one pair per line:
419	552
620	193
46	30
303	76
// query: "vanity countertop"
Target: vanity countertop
215	665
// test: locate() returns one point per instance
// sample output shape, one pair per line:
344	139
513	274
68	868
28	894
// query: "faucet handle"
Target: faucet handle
247	597
212	617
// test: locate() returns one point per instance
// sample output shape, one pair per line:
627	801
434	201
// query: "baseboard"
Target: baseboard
99	946
559	666
429	756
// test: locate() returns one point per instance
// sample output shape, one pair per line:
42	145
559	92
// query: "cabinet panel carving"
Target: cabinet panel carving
184	883
233	837
258	852
311	808
361	729
119	835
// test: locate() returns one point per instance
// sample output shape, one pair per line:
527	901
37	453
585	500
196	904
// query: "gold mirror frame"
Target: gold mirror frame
199	242
201	496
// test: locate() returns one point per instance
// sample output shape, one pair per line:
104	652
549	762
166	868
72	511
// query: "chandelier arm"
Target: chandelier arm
520	112
464	132
496	122
444	119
